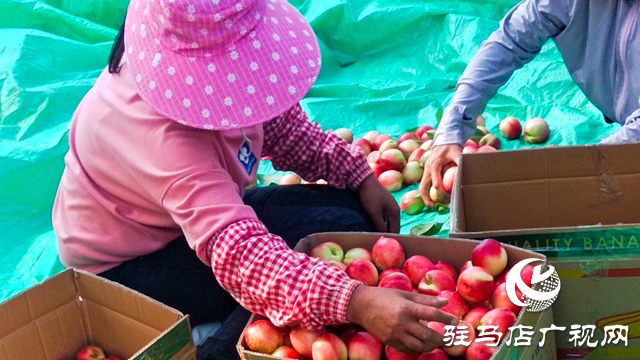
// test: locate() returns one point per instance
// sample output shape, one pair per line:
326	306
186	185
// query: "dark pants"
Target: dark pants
176	277
608	120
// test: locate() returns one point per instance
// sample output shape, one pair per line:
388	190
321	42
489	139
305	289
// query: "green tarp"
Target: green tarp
387	65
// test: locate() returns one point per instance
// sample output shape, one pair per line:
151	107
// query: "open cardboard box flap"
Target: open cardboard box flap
54	319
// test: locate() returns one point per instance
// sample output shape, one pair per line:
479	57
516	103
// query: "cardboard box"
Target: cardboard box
578	206
558	201
454	251
56	318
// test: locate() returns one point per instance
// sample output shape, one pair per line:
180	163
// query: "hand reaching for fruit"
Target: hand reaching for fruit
379	205
432	176
398	318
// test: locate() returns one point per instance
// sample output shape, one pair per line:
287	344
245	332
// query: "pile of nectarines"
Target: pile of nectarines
395	162
399	162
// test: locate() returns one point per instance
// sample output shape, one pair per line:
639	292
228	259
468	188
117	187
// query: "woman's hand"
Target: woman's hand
381	207
398	318
439	157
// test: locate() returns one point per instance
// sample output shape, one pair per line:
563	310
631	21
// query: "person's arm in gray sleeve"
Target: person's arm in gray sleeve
628	133
520	37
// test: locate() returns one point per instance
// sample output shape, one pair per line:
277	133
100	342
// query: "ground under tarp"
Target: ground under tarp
385	67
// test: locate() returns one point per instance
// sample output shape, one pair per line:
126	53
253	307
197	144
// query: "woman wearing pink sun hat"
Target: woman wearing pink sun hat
163	145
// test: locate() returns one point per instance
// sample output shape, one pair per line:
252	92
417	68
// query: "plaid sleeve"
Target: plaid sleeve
295	144
266	277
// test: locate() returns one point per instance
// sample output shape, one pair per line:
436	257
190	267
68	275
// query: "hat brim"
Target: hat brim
256	79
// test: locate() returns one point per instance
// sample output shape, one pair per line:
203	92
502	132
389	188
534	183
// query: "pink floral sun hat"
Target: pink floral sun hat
220	64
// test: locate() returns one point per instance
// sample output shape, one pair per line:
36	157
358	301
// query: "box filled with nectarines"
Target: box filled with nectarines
578	206
77	315
471	274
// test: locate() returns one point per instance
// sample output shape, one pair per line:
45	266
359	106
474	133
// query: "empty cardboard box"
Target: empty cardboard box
55	319
456	252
